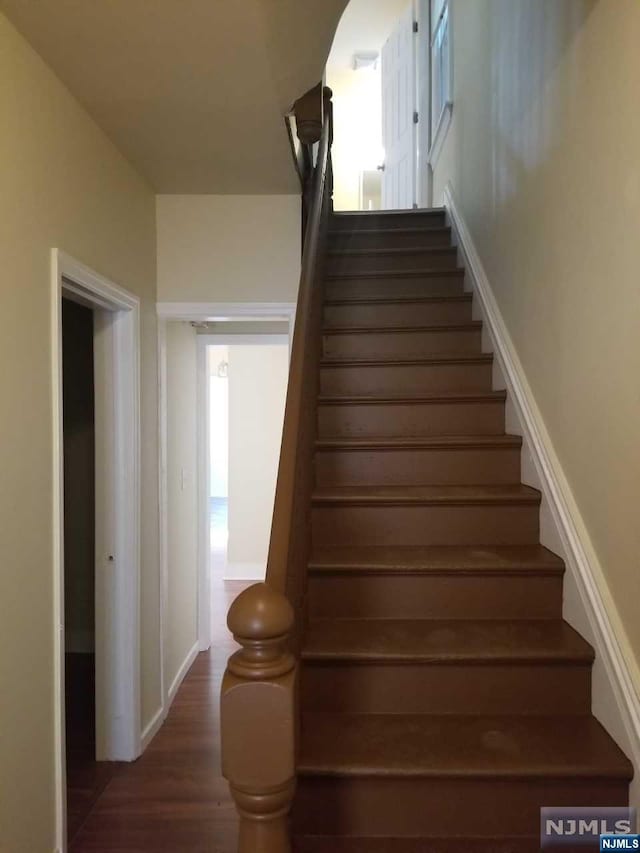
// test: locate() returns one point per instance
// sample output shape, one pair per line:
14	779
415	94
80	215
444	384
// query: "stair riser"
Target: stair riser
425	525
406	807
387	220
435	597
397	314
422	260
388	379
418	467
403	344
353	421
447	688
396	287
396	239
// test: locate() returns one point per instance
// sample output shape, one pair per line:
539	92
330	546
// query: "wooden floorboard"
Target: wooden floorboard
174	797
86	777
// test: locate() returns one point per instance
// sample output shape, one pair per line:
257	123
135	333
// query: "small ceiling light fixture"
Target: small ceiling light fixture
365	59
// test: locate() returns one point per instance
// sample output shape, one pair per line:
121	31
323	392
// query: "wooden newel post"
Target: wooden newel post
309	115
258	719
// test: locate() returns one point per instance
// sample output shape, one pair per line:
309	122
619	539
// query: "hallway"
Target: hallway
174	798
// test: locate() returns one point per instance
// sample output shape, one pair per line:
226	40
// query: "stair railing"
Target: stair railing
259	712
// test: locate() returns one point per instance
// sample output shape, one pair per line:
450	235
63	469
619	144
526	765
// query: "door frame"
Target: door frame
197	312
117	564
423	65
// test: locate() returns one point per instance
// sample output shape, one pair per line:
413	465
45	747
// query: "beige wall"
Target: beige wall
216	248
544	157
182	498
63	185
257	391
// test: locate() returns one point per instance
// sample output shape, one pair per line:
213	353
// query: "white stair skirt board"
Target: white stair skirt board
587	605
245	571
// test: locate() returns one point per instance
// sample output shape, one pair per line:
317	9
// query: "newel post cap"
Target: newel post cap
261	620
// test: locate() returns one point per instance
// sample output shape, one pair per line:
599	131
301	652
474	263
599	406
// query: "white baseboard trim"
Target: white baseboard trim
588	604
155	723
184	669
245	571
152	728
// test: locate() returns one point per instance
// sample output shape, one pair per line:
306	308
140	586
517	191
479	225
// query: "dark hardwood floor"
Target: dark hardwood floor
86	777
174	797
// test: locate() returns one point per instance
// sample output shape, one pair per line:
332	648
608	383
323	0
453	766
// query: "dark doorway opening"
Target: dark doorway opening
86	778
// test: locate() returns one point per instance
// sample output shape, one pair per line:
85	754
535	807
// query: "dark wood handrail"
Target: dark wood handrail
259	712
282	563
305	123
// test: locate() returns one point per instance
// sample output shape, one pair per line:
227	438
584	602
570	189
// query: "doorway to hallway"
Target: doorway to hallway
246	385
218	420
222	368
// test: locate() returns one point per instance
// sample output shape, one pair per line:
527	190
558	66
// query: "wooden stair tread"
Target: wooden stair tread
452	358
425	495
374	214
394	252
471	326
508	559
423	399
400	300
428	272
444	442
351	844
416	229
437	641
425	745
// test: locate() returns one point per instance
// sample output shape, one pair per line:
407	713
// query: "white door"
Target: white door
398	109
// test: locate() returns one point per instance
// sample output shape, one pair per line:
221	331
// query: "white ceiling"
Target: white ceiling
193	92
364	26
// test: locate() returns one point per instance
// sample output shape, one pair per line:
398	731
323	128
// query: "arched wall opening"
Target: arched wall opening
380	70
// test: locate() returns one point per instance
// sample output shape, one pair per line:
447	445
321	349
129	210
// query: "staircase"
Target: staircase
444	700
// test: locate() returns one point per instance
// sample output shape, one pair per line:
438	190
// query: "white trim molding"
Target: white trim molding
117	556
211	311
152	728
155	723
180	675
442	128
588	604
245	571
